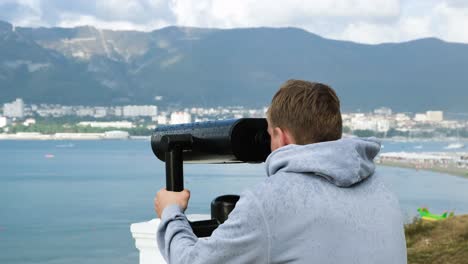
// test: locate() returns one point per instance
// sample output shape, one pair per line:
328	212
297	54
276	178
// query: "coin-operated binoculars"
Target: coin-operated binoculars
226	141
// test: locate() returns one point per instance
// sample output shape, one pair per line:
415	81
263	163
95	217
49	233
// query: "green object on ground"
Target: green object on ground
426	215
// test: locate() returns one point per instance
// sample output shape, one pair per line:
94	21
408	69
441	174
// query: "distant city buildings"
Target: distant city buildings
381	120
85	111
54	110
429	116
365	122
180	118
29	121
14	109
161	119
130	111
139	110
420	118
435	116
100	112
384	119
383	111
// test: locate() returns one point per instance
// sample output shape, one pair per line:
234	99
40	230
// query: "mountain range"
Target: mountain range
213	67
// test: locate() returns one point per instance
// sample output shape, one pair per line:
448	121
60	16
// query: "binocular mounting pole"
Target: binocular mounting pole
173	146
174	170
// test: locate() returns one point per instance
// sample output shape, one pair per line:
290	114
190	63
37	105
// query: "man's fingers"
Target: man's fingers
166	198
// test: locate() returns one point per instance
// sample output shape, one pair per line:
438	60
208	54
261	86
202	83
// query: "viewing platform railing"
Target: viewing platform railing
144	234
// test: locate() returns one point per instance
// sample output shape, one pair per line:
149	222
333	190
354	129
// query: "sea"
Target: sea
74	201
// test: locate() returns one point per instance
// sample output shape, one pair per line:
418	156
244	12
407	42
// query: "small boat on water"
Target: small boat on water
457	145
49	156
418	147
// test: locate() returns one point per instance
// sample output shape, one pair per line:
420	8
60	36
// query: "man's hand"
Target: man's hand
165	198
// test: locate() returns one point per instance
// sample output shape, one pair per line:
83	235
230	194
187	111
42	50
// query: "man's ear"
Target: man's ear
284	136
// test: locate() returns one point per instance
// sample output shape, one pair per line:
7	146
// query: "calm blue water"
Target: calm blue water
77	207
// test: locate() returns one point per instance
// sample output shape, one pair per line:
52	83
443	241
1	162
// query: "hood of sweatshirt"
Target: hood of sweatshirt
343	162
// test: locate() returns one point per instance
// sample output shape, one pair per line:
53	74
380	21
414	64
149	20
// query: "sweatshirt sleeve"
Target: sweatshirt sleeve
243	238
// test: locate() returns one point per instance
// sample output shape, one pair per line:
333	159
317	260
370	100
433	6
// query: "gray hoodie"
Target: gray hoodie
322	203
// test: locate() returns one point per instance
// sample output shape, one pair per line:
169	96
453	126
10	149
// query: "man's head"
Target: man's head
303	112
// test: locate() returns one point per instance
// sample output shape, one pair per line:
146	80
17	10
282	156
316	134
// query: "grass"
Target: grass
443	241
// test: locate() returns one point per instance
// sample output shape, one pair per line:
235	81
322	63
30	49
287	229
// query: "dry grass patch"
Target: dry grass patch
443	241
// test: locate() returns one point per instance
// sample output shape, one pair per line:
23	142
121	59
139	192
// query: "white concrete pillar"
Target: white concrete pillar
144	234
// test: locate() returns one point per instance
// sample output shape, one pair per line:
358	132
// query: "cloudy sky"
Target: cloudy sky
366	21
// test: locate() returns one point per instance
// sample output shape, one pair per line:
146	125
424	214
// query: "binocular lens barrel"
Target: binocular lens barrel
226	141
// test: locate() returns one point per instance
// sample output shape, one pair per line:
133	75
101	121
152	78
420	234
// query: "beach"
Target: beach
70	136
453	163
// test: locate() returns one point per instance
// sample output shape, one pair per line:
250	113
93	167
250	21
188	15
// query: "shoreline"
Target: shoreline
101	136
454	171
71	136
417	139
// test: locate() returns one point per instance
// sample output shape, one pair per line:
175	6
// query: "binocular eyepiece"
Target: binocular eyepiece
226	141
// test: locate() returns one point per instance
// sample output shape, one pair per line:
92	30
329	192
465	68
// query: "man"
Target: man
323	202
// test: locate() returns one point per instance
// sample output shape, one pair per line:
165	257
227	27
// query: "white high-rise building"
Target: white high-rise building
118	111
14	109
370	123
85	111
434	116
140	110
420	117
100	111
400	117
180	118
382	125
3	121
29	121
161	119
383	111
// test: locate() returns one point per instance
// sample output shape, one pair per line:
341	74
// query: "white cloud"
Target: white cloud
451	22
442	20
368	21
23	12
405	29
111	14
133	10
228	13
73	20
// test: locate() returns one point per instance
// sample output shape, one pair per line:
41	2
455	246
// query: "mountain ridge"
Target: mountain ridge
210	67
